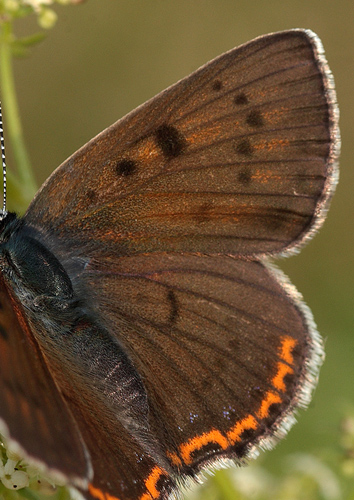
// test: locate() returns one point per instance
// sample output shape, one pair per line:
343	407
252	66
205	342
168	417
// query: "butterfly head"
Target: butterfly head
3	214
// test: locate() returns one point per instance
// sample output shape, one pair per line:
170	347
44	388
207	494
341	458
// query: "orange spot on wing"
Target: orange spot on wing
214	436
101	495
274	116
207	135
278	379
151	482
248	422
147	150
272	145
287	346
234	434
270	399
175	460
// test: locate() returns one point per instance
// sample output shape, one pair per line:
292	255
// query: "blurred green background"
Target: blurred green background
105	57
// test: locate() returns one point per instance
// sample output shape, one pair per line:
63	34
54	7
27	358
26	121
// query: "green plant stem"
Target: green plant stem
26	182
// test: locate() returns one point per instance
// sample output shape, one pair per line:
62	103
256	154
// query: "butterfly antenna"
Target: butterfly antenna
2	145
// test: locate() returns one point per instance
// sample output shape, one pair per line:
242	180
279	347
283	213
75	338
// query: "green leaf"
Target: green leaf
20	47
28	41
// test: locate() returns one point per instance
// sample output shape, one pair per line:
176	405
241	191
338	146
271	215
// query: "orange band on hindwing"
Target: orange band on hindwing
249	422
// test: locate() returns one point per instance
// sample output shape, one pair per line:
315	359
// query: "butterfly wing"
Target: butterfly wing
224	346
238	158
32	410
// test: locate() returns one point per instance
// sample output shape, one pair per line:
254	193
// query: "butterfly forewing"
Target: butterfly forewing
237	158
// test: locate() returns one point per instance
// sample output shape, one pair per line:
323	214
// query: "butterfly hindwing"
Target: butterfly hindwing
222	370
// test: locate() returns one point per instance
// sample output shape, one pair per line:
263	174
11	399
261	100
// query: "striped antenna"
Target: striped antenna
2	145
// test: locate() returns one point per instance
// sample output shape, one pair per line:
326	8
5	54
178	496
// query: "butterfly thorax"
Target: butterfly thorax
59	320
30	264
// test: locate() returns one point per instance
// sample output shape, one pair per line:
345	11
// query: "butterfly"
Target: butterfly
144	333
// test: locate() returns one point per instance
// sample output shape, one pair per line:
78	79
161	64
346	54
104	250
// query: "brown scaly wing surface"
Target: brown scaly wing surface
237	158
226	350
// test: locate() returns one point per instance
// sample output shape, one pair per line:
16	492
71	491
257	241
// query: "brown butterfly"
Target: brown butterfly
144	335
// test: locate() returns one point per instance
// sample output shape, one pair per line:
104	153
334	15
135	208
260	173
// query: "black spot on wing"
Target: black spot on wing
217	85
171	142
125	167
255	119
244	148
171	297
245	176
290	380
91	195
241	99
248	435
274	411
